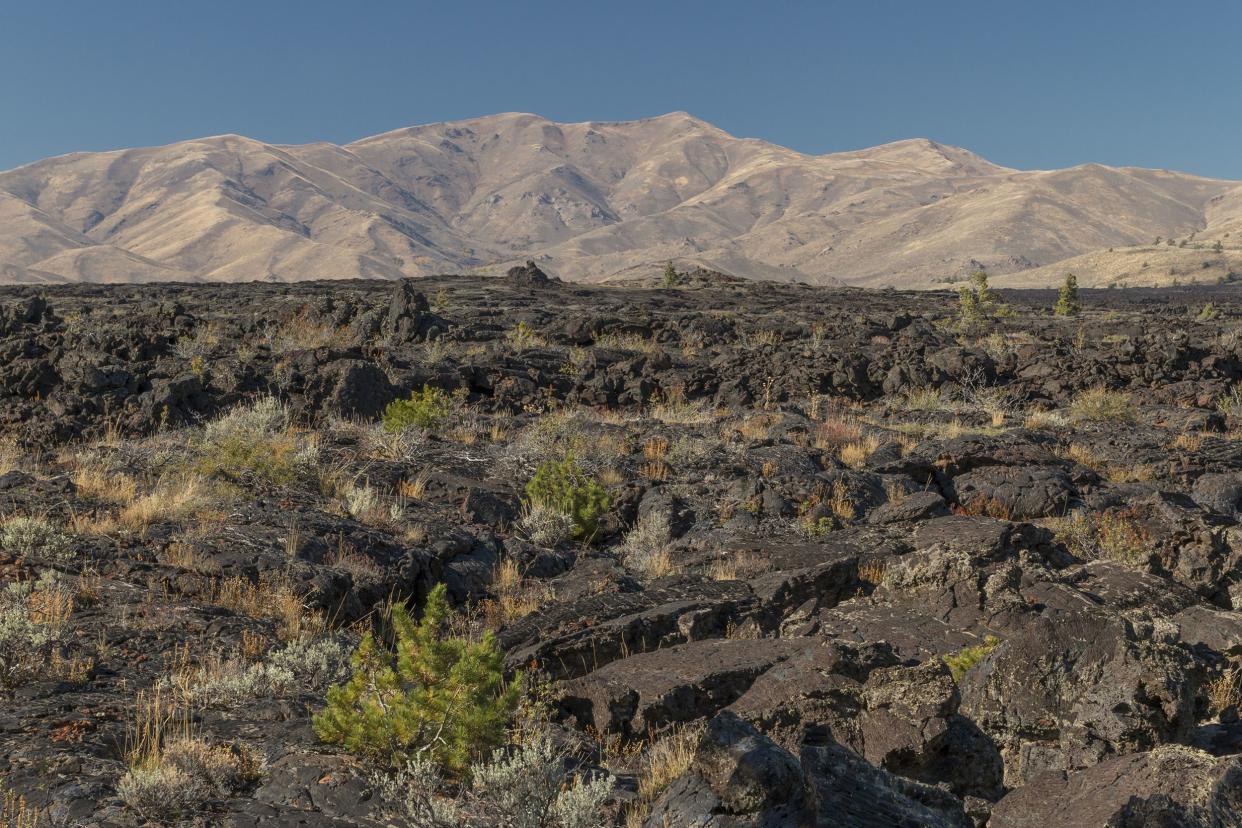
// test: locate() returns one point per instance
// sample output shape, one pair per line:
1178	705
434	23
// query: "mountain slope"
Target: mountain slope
591	201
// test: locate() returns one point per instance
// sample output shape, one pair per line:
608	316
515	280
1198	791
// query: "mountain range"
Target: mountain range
599	201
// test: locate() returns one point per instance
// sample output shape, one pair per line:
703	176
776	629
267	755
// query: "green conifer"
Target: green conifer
437	697
1067	302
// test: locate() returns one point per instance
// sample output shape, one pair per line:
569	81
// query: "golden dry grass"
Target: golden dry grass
854	455
274	599
665	759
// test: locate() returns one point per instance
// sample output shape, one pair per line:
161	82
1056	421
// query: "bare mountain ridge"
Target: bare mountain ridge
594	201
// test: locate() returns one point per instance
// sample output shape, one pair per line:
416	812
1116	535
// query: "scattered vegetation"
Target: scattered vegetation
1230	404
645	548
665	759
977	304
180	777
32	536
34	619
1116	534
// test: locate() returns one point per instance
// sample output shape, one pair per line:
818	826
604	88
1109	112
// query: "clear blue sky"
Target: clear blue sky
1032	84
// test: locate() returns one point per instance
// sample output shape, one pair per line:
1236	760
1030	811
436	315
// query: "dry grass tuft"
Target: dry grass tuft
274	599
515	598
1099	404
665	759
1225	691
854	455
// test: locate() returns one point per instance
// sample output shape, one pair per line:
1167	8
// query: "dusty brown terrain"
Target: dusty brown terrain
599	200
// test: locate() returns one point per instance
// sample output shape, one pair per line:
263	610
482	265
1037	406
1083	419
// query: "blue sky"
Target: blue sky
1027	84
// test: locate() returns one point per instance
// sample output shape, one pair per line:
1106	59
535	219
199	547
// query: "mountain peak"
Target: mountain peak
591	199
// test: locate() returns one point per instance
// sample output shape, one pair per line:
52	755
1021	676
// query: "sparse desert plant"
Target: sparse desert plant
522	336
959	663
924	399
546	526
34	619
438	697
562	485
854	455
1189	442
645	547
16	812
426	409
1225	691
673	408
301	666
1116	534
1099	404
185	774
526	786
33	536
304	331
254	442
515	597
1230	404
272	597
1036	420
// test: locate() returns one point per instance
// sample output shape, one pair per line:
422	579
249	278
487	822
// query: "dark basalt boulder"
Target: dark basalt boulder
1015	493
529	275
739	777
1072	688
409	317
1168	787
1222	493
649	691
910	726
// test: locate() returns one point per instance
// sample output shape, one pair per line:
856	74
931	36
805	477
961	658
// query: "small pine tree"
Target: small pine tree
563	486
670	275
1067	302
989	302
436	697
424	409
969	314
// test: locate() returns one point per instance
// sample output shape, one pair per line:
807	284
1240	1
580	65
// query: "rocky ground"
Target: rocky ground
861	565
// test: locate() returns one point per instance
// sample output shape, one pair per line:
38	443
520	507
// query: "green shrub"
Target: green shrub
436	697
1067	301
562	485
961	661
424	409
